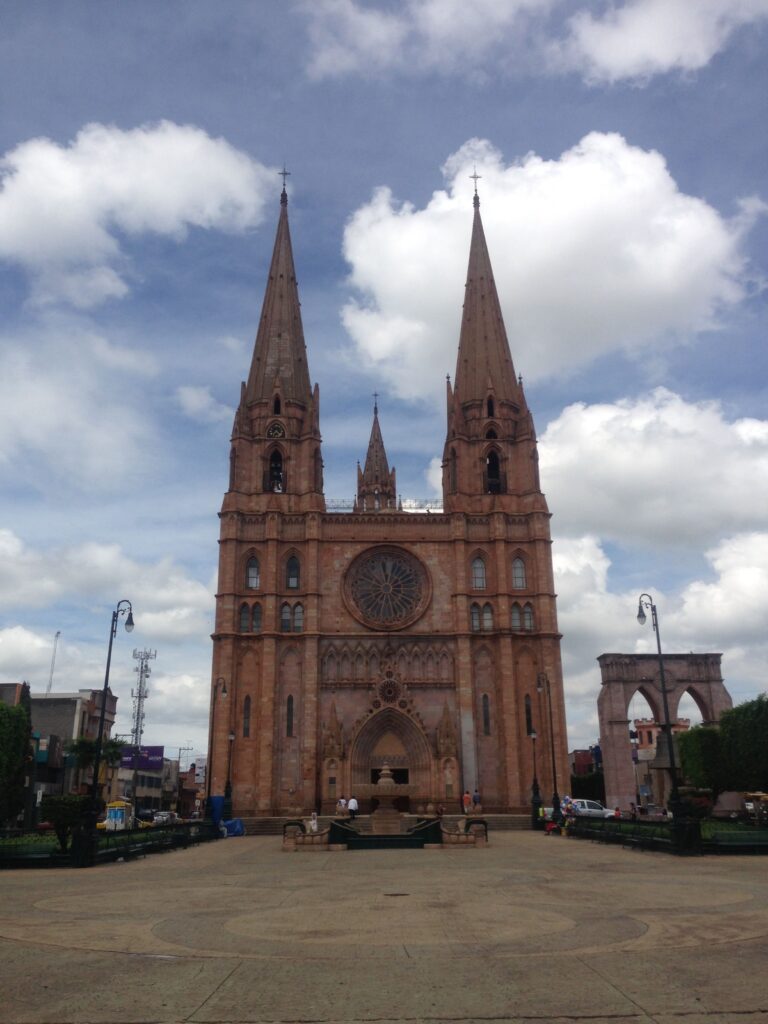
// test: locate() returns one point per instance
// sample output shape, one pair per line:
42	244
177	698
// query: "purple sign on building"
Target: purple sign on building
145	759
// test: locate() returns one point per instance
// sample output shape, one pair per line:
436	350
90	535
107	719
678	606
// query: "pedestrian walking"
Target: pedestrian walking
352	807
476	798
466	801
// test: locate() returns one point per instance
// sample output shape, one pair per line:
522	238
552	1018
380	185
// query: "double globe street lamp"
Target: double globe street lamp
646	602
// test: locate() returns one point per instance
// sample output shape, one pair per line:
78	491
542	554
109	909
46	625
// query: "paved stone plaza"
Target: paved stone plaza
528	929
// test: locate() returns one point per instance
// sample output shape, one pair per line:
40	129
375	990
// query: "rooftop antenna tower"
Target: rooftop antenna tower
140	694
53	662
183	751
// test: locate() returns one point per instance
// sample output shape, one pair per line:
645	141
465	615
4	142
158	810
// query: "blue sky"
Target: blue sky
622	148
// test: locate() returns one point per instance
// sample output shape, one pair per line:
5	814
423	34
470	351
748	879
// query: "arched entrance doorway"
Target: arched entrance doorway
395	738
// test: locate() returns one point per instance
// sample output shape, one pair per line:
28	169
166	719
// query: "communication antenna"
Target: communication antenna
140	694
53	661
184	750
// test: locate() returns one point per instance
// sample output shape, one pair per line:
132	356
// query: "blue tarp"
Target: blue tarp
235	827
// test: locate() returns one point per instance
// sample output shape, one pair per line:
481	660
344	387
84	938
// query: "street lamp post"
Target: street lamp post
123	607
535	792
542	686
227	810
219	689
646	601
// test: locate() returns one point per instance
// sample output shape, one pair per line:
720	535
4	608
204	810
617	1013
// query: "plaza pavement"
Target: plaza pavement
531	928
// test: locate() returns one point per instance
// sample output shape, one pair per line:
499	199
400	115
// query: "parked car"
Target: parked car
591	809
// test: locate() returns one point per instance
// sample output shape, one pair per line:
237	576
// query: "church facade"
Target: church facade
346	641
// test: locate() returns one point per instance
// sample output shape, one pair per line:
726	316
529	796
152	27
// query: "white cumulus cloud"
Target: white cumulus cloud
607	41
655	469
63	208
593	252
642	38
199	404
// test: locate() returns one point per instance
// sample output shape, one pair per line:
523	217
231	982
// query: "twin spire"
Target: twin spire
485	404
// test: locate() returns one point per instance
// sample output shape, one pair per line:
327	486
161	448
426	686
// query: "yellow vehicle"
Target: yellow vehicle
120	817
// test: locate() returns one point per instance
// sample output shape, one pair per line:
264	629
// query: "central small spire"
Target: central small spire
376	487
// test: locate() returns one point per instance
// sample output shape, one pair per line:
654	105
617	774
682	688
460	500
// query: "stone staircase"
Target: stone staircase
363	822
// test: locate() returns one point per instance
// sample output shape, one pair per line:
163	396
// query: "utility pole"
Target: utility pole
139	695
53	661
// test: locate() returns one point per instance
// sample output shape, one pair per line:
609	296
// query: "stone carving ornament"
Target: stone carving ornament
386	588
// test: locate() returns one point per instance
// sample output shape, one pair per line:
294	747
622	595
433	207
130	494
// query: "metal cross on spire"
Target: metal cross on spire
475	177
284	174
375	401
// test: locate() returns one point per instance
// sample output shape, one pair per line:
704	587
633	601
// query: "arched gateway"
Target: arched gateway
624	675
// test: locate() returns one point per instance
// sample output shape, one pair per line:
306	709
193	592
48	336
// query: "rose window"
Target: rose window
389	689
387	588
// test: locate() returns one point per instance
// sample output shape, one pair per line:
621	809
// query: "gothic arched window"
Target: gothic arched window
517	619
256	619
528	618
298	618
474	618
292	573
289	717
285	619
276	471
528	715
478	574
492	472
245	618
452	472
276	405
486	715
487	617
518	574
490	408
246	718
252	579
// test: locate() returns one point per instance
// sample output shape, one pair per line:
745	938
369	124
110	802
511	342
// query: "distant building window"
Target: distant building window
252	574
478	574
528	618
289	717
474	618
298	618
256	618
285	618
245	618
292	573
486	715
518	574
246	718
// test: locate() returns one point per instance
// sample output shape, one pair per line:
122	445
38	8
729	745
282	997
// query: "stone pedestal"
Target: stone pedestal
385	821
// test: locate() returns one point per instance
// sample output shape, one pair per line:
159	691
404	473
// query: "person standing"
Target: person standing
352	807
466	801
476	799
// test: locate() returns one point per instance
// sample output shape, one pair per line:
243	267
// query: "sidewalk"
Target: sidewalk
531	928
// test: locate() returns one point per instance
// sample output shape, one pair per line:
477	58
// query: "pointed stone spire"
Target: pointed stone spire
484	358
279	366
489	459
376	487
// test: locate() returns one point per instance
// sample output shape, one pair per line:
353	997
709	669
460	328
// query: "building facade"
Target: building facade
344	641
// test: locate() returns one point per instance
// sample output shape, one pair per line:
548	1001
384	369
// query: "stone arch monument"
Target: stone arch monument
624	675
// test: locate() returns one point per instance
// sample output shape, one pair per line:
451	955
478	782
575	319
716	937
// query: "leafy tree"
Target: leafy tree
743	732
15	752
701	757
65	813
